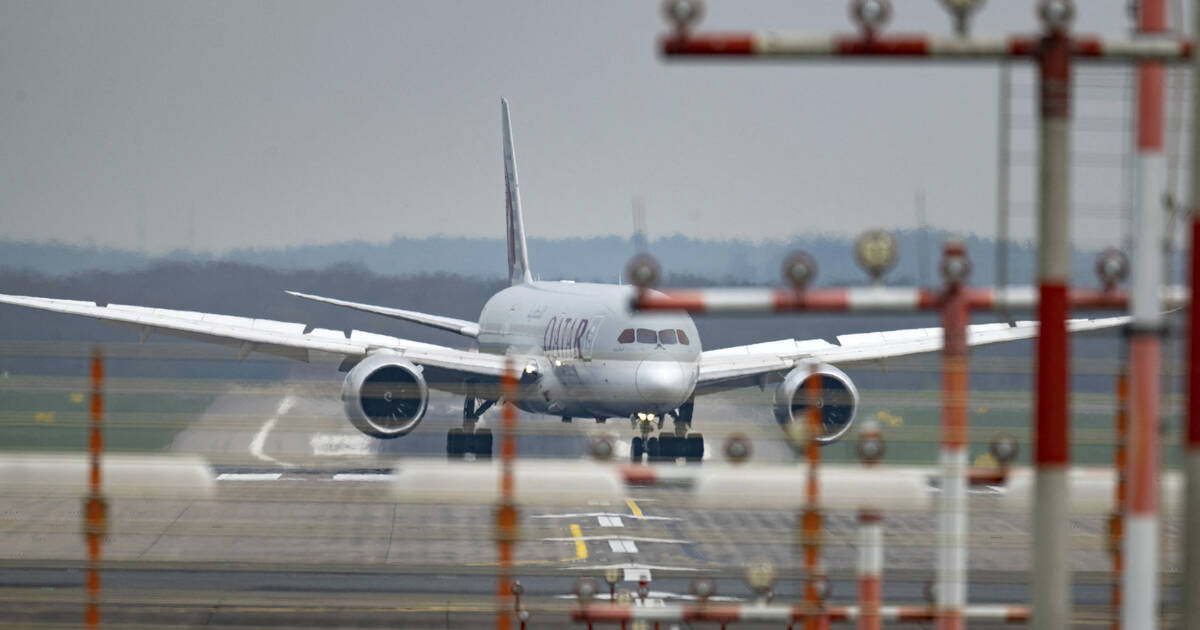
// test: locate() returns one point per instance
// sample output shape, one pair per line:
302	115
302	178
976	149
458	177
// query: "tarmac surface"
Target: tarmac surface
303	532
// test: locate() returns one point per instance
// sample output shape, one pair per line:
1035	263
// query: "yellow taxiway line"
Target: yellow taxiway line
580	546
633	507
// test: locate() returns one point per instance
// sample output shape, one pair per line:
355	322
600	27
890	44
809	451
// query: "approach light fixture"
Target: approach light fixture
643	271
737	448
1004	448
585	589
601	447
961	11
870	15
1112	267
612	575
761	575
683	14
703	588
1056	15
876	251
956	267
799	269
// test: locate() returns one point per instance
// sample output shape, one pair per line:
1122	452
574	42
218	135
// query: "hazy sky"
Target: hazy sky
233	124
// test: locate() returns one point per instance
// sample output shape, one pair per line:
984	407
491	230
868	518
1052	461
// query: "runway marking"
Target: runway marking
599	514
633	507
362	477
635	575
581	552
260	438
624	545
612	537
340	444
248	476
610	521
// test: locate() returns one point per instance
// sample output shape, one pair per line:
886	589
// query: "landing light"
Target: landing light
1056	15
531	367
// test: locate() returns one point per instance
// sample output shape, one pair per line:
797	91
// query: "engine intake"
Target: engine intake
838	401
385	396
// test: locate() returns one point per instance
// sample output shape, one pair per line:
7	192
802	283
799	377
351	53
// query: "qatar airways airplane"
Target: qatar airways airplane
579	349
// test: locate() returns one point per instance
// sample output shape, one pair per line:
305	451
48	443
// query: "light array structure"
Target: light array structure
1054	50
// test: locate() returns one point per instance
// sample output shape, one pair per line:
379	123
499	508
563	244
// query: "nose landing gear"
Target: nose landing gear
666	447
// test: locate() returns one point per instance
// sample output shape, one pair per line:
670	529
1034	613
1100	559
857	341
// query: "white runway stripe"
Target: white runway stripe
610	521
362	477
248	476
623	545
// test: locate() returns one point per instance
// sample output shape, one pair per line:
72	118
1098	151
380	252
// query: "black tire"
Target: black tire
693	448
636	448
669	448
481	443
652	449
456	443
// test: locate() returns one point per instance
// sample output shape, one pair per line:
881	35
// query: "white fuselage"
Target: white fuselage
594	356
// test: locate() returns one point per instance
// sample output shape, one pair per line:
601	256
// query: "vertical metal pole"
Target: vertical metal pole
1116	526
1191	461
1140	547
506	510
95	508
952	502
811	521
1003	134
870	569
1050	576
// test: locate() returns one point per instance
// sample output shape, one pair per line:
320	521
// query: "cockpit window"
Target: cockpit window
626	336
666	337
645	335
682	337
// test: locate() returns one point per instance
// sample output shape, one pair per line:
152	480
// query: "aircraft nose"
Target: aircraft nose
662	383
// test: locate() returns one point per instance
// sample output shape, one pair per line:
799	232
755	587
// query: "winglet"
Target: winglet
518	256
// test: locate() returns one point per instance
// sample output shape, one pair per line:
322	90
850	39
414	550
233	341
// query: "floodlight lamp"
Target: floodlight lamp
683	14
799	269
643	271
518	589
1112	267
876	252
1004	448
870	15
612	575
961	10
956	267
760	575
703	587
1056	15
585	589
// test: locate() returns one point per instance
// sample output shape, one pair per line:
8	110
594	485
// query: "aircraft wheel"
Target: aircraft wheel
456	443
668	447
693	447
636	449
652	449
481	443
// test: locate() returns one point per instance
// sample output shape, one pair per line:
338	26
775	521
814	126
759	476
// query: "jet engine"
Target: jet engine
385	396
838	401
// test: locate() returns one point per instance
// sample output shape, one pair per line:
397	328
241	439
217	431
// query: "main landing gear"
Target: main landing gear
666	447
468	439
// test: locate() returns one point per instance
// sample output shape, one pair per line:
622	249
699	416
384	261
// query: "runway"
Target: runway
303	532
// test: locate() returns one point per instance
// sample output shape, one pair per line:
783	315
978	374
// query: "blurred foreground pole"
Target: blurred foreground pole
1139	606
1191	461
95	508
952	502
506	508
1050	578
811	521
1116	522
870	569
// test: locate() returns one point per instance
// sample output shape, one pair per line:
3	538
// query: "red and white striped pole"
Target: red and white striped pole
952	502
870	569
1140	547
1191	456
1050	577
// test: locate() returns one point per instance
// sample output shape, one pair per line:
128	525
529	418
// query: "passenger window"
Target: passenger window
682	337
666	337
626	336
645	335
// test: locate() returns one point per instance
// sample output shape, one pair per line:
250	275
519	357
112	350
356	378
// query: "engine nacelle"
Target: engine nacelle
838	401
385	396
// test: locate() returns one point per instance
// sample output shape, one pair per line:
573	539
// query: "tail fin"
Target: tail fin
518	256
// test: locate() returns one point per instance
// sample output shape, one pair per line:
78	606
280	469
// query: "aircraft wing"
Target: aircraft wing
740	366
460	326
291	340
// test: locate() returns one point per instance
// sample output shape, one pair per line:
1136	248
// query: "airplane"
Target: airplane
579	348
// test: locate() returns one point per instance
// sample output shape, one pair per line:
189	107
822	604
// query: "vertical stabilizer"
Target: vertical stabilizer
518	256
